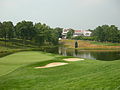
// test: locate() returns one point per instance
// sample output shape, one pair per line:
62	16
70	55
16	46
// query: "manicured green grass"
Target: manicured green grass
80	75
11	62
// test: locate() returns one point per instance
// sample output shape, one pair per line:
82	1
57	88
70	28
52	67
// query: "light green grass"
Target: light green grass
105	43
11	62
80	75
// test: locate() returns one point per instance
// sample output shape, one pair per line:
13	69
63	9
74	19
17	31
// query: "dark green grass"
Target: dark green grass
80	75
15	44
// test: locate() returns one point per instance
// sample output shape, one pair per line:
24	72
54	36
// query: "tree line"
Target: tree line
104	33
42	34
39	33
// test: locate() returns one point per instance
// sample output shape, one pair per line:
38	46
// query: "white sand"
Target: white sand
73	59
52	65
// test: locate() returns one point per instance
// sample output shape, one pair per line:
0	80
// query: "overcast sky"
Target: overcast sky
76	14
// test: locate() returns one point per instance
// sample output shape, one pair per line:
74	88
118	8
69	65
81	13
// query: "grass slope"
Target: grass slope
104	43
14	45
11	62
91	45
80	75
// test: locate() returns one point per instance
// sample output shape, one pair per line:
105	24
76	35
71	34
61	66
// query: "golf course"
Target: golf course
35	56
18	72
59	44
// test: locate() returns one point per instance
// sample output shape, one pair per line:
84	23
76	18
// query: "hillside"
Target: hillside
92	45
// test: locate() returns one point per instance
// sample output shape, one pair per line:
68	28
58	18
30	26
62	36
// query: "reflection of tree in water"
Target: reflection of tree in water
106	55
70	52
76	52
52	50
62	51
97	55
89	54
84	54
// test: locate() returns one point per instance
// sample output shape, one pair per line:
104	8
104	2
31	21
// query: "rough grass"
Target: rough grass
91	45
16	45
80	75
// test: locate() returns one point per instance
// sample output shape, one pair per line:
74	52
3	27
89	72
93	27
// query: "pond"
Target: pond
96	55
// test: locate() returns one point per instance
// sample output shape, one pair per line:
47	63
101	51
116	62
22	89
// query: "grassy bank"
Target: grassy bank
16	45
91	45
104	43
18	73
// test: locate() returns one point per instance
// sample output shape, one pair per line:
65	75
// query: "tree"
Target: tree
70	33
59	30
53	36
8	30
113	32
25	30
45	34
1	36
106	33
11	30
118	37
40	36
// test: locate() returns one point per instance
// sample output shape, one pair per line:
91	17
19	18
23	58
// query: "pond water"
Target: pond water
96	55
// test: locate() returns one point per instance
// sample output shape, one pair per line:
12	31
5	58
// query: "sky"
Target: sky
75	14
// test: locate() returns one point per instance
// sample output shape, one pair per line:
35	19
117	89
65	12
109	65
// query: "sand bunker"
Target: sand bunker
52	65
73	59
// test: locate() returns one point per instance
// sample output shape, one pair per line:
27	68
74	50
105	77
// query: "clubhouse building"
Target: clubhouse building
85	33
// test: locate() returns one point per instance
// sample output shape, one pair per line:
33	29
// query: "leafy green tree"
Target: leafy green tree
100	34
8	30
41	34
106	33
25	30
1	36
40	37
113	32
118	37
59	30
70	34
45	34
53	36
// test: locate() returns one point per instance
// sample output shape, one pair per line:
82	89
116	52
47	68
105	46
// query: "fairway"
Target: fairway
17	72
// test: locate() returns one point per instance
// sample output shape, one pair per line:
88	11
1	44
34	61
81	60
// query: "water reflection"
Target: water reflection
114	55
75	52
109	55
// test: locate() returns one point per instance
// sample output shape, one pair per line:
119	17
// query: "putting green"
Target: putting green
11	62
